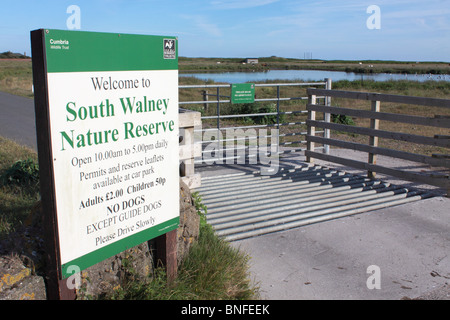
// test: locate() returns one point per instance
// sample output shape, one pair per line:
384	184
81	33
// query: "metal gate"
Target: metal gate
250	125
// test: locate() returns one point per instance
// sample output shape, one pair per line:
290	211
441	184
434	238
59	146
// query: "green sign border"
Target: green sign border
108	251
247	98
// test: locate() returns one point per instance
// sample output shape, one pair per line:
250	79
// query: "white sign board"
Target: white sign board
113	119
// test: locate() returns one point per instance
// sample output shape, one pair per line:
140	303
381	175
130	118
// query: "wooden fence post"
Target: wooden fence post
373	140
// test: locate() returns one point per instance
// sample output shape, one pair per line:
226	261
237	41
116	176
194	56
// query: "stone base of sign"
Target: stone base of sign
188	231
112	273
22	264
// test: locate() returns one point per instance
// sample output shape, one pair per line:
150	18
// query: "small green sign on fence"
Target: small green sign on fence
242	93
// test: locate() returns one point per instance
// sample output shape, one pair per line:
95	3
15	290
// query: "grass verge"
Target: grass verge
213	270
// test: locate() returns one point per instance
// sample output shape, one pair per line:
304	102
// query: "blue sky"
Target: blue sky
412	30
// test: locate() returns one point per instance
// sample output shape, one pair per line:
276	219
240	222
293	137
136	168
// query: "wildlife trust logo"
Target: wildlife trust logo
169	48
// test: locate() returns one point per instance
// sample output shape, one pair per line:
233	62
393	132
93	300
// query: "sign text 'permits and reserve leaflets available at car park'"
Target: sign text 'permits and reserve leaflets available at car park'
107	111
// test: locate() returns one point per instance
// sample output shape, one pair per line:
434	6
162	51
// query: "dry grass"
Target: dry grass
16	77
434	90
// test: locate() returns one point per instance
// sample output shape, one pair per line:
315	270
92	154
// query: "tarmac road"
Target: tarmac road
408	244
17	120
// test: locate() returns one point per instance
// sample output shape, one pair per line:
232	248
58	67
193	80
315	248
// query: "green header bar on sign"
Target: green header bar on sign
80	51
242	93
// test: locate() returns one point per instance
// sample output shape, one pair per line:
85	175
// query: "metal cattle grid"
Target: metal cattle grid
244	205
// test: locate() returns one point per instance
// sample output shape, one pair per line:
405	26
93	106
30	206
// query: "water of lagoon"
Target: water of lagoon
310	75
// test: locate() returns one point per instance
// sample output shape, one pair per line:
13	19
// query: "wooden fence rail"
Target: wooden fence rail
375	115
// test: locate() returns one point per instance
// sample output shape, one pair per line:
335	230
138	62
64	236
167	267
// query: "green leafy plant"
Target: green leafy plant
23	173
255	108
202	210
19	190
342	119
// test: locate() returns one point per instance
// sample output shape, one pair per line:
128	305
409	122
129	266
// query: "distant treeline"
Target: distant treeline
12	55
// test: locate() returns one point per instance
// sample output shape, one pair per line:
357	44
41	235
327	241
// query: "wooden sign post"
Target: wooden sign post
107	130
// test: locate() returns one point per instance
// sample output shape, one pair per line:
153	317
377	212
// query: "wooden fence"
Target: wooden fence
440	179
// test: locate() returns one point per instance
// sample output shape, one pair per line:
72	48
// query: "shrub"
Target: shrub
23	173
342	119
253	108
